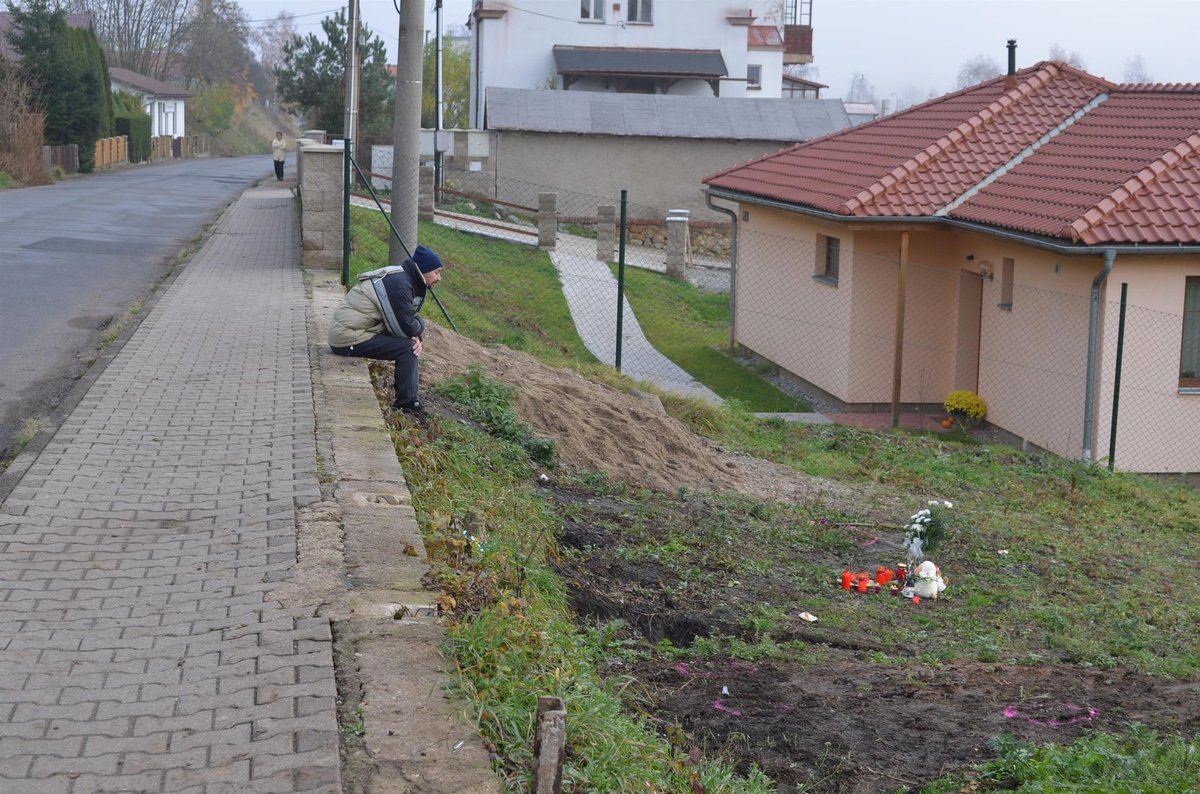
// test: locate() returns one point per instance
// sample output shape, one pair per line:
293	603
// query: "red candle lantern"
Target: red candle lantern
862	584
847	580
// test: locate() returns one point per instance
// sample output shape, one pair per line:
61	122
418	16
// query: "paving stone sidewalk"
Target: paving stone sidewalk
139	648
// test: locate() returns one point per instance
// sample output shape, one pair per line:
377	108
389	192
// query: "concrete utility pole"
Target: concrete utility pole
353	69
437	118
406	128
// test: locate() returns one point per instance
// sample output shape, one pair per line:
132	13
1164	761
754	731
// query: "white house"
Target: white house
696	48
163	102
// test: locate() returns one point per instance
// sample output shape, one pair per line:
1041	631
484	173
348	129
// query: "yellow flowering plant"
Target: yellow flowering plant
965	405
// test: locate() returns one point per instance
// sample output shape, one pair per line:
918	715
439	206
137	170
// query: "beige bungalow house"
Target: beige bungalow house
1034	238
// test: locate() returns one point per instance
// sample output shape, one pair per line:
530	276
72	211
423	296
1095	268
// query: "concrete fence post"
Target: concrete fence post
606	232
547	221
677	242
425	182
321	201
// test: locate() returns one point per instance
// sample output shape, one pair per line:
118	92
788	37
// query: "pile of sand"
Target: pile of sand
626	436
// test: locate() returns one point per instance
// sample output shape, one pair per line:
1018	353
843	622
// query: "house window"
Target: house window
1189	357
828	259
753	77
641	11
591	9
1006	284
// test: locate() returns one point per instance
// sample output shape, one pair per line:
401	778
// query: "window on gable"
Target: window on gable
828	259
1189	356
1006	283
641	11
591	9
753	77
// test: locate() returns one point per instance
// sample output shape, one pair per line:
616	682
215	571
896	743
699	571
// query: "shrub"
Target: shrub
135	126
967	404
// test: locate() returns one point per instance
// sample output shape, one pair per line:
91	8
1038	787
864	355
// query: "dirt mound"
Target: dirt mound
626	436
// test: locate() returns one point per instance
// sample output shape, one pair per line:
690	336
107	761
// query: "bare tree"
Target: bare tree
860	89
913	94
271	39
977	70
1072	58
144	36
216	49
1136	72
805	71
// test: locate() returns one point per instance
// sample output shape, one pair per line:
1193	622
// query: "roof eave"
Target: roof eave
1057	245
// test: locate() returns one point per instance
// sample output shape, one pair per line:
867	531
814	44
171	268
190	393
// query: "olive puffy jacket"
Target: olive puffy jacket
362	314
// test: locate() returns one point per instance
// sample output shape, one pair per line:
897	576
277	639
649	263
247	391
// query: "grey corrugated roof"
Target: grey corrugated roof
663	116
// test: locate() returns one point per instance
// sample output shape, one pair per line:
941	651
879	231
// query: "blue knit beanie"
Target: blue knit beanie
425	260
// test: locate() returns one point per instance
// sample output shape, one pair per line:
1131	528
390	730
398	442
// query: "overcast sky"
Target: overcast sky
909	50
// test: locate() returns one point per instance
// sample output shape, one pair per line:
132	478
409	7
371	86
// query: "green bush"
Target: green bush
212	110
136	127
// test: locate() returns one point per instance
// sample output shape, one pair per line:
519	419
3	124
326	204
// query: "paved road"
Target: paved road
142	648
74	255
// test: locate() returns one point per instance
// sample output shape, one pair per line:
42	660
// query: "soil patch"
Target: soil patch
627	436
846	725
833	717
830	718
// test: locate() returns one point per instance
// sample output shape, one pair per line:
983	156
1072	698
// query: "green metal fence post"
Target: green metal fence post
346	215
1112	433
620	278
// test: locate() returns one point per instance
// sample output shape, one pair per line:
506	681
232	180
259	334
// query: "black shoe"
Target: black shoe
413	409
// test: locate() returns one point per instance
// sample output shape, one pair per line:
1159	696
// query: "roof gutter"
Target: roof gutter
1089	386
1019	237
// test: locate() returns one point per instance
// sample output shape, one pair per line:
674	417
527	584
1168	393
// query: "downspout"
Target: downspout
732	266
1089	398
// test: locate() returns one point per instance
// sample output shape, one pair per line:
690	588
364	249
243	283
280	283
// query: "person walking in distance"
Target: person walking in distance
378	319
279	149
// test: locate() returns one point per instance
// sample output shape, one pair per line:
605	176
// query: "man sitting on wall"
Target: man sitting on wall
378	319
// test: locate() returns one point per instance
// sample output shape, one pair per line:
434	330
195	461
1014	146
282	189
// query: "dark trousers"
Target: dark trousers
279	169
394	349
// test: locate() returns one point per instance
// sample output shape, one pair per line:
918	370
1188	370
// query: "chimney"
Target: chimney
1012	56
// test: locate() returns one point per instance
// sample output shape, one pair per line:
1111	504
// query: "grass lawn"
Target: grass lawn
1054	566
691	328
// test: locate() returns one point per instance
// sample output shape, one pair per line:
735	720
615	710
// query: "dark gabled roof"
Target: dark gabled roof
6	24
658	115
639	62
147	85
1050	151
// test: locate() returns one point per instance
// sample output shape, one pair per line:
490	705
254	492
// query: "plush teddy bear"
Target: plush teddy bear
929	580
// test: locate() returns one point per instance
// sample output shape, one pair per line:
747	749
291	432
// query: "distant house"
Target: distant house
657	147
163	102
983	241
694	48
800	88
861	112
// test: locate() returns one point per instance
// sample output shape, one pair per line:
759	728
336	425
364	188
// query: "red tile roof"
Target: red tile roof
1050	151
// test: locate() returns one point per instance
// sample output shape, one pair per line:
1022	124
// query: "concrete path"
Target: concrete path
591	292
140	649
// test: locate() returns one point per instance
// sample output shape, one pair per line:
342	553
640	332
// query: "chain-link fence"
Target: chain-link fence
824	317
